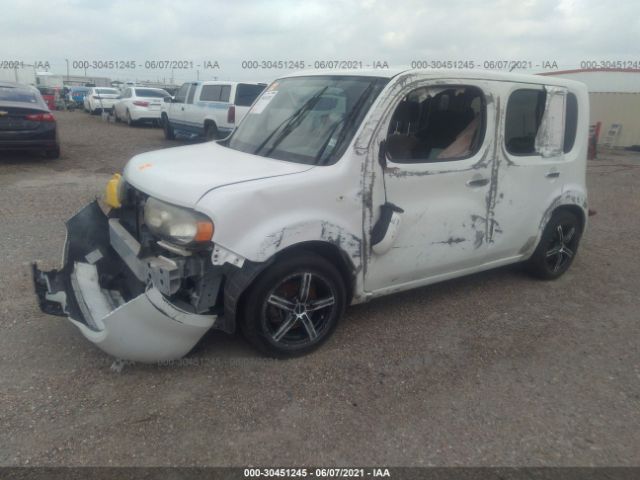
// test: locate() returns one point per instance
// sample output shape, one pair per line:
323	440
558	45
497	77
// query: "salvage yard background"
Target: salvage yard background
492	369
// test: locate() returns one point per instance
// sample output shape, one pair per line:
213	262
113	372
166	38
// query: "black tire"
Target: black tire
52	153
115	115
278	320
558	246
211	131
169	134
128	119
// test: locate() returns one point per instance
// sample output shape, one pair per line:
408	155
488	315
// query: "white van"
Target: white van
335	189
211	109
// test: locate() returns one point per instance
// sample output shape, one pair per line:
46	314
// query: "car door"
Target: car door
175	112
191	113
439	163
533	164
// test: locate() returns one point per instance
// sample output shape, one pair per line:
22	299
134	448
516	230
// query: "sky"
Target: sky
216	39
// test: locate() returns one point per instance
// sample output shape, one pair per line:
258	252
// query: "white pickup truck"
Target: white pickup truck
210	108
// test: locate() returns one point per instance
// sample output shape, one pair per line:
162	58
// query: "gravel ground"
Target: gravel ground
492	369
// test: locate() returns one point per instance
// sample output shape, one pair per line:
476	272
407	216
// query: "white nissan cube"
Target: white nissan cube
336	188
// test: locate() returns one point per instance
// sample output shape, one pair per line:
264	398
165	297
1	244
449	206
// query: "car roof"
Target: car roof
443	74
21	86
148	88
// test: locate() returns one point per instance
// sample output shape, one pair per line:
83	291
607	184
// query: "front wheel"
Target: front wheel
169	134
294	306
558	246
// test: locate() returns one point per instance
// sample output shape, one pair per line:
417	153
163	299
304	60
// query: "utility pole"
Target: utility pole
67	60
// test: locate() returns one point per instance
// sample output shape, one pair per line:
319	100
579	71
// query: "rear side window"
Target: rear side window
225	91
246	94
524	115
571	125
210	93
215	93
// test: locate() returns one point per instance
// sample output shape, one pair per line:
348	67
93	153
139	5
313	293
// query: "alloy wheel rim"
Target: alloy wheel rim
298	310
561	248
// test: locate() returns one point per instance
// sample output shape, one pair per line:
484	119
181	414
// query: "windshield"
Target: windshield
306	119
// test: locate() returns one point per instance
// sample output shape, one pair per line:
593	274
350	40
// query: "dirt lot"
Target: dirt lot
493	369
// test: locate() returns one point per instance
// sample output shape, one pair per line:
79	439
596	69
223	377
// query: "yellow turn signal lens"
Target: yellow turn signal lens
205	232
112	197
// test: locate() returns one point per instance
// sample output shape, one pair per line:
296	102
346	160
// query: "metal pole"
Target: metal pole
67	60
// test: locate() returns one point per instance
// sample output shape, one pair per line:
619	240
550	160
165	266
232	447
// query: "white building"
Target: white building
615	100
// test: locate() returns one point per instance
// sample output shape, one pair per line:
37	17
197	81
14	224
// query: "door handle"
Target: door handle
477	182
552	174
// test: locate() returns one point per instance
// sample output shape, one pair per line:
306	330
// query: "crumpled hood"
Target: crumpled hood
182	175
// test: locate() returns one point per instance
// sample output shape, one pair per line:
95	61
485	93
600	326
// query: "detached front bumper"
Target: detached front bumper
101	295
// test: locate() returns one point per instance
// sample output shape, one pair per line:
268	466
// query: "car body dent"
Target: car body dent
145	329
327	209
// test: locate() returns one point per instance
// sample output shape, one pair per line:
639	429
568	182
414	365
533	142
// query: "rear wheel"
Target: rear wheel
129	120
558	246
294	306
169	134
211	131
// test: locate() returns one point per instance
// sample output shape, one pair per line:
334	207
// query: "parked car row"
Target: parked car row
209	109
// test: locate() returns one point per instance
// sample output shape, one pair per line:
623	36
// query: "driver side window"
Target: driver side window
436	124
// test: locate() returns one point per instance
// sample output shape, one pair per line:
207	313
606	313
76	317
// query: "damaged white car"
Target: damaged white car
336	188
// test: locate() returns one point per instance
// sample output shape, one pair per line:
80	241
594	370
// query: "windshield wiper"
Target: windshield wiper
348	120
290	124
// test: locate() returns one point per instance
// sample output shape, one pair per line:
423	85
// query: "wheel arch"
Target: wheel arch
239	282
574	201
576	210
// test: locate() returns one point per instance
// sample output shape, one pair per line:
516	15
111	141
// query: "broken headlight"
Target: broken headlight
176	224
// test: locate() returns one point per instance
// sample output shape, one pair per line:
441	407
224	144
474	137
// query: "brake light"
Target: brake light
140	103
231	114
40	117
